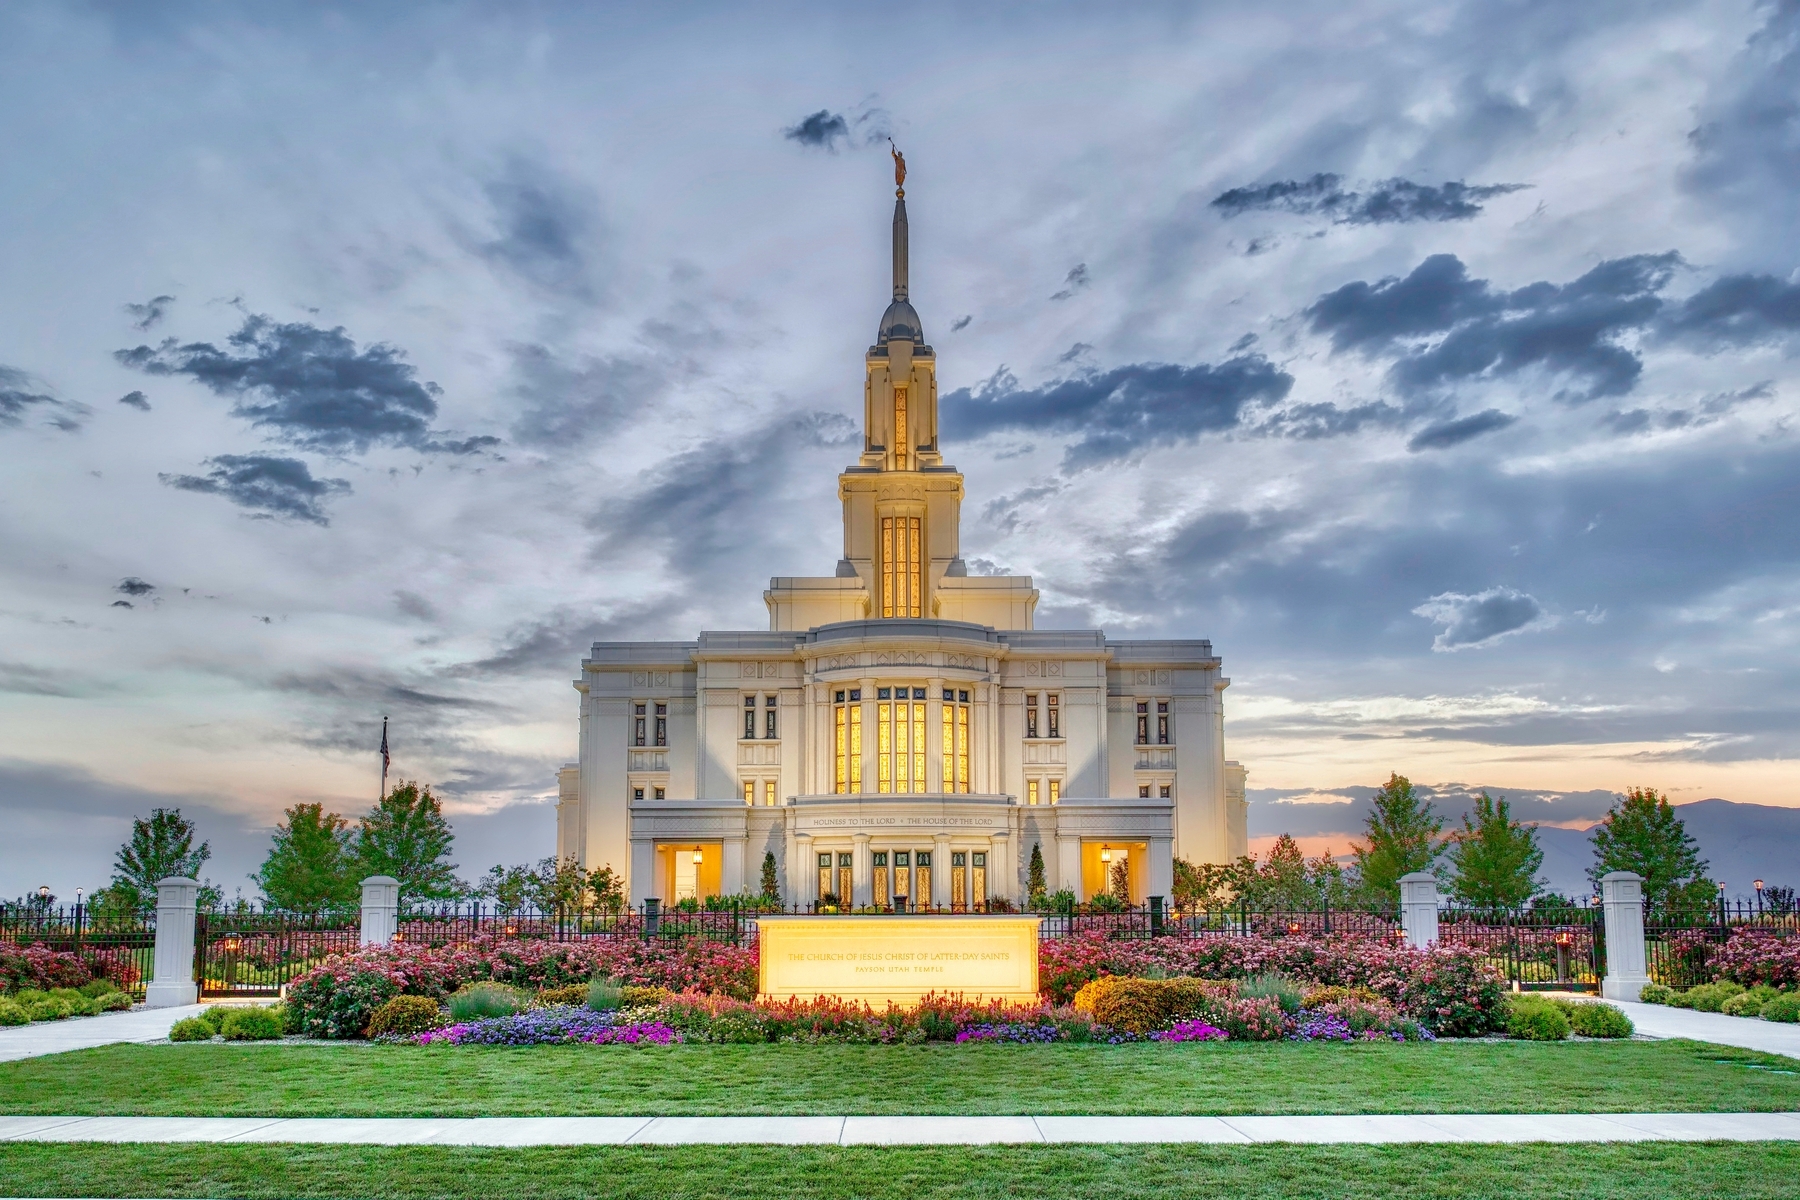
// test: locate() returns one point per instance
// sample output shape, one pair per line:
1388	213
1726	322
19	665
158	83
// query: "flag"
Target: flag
385	758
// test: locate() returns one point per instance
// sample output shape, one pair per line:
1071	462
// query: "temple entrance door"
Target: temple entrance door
978	881
880	881
902	879
825	878
846	879
959	880
921	879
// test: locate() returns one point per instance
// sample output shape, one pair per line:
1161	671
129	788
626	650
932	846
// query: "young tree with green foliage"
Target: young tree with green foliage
607	889
559	886
159	848
1496	858
771	886
406	837
1403	835
1641	833
310	864
511	889
1035	885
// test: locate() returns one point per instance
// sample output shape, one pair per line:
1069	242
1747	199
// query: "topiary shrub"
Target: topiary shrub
251	1025
1596	1020
404	1016
12	1013
1785	1007
1657	993
481	1000
1535	1019
191	1029
1709	997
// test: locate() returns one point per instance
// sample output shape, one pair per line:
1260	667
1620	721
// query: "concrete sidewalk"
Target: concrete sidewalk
79	1033
911	1131
1747	1033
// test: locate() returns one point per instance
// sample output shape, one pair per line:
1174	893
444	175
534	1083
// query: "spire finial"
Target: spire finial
899	169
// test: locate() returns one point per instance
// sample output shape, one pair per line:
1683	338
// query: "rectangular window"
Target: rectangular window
768	716
825	879
900	446
659	793
768	793
902	877
922	879
1031	791
1162	722
1055	791
978	880
637	795
846	735
900	740
662	724
1143	791
902	568
637	725
749	791
1031	715
959	880
956	740
1162	792
749	716
1143	723
1053	714
846	888
880	880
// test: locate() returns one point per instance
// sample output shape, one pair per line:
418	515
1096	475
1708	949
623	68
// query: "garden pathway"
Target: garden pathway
909	1131
1748	1033
79	1033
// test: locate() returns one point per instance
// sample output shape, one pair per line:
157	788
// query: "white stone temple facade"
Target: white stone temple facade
901	735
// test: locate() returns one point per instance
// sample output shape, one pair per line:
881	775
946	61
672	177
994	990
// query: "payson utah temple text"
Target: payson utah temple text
902	735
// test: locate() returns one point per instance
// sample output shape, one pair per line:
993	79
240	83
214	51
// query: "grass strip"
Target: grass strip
1523	1172
222	1079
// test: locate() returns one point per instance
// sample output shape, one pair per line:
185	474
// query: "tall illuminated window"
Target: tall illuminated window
899	740
768	793
1031	791
902	568
846	740
900	446
749	791
1055	790
956	740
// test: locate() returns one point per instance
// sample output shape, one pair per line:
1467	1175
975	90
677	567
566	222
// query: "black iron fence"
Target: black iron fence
122	947
1682	942
254	952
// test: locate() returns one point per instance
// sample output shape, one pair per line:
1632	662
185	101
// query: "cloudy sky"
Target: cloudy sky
1437	362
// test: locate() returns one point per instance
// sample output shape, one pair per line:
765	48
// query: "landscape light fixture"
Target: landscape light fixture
698	857
43	891
1757	885
1105	854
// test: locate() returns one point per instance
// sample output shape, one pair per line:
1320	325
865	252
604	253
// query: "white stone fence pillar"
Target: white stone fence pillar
1622	892
380	909
1419	908
172	982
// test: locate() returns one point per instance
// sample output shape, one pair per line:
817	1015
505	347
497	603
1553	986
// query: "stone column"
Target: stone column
644	883
805	888
172	983
380	909
1419	908
862	872
1068	864
1003	875
1626	974
1159	878
940	872
731	867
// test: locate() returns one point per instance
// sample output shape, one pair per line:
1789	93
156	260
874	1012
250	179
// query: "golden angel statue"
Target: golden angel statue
899	164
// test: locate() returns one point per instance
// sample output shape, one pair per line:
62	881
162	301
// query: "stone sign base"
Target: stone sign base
898	958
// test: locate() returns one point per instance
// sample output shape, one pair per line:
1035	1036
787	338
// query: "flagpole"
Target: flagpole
384	761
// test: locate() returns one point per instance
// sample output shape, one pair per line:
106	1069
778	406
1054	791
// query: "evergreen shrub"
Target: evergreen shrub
11	1013
251	1025
568	993
1536	1019
191	1029
1785	1007
1710	997
1657	993
404	1015
1591	1018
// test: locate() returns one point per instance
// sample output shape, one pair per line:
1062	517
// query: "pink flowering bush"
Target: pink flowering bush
1190	1031
1447	988
1749	957
336	998
41	968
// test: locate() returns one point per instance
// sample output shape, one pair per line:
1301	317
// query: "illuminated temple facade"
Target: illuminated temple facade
902	735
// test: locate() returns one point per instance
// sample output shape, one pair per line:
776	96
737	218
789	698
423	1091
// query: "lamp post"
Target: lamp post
1563	940
1758	885
78	892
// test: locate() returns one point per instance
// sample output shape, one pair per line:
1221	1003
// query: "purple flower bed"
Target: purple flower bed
642	1033
1026	1034
535	1027
1190	1031
1333	1027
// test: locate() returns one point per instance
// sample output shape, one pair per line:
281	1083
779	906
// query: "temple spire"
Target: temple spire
900	247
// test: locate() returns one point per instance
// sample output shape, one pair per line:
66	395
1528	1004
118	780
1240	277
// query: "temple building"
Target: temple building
902	735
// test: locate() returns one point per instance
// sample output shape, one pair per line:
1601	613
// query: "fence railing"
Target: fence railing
123	946
1679	941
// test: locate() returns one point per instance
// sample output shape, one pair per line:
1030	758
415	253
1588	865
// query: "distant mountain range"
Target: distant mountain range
1741	843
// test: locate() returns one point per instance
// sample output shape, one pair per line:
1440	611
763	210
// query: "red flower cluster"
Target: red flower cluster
38	966
1751	956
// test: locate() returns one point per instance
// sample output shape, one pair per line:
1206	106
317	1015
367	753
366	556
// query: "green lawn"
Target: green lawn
219	1079
1663	1172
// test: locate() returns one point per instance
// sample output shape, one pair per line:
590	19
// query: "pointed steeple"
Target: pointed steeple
900	320
900	246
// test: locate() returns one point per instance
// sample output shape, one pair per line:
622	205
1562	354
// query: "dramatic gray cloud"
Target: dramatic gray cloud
131	585
268	487
546	225
1119	412
135	400
1076	279
1445	434
1391	201
961	323
1441	327
1473	621
148	314
20	394
823	128
311	387
1736	310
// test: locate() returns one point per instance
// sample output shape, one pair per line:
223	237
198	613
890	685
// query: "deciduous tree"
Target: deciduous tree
1641	833
311	863
406	837
1403	837
159	848
1496	858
